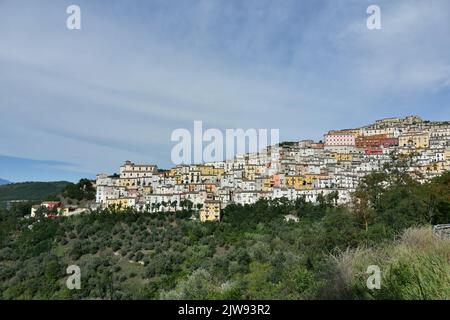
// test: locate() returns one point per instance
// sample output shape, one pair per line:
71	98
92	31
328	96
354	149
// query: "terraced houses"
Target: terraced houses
292	169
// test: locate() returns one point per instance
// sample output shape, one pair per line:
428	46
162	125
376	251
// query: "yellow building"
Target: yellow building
447	154
415	140
447	159
309	178
210	211
342	156
259	169
127	182
265	184
172	172
211	171
298	182
119	203
148	189
434	167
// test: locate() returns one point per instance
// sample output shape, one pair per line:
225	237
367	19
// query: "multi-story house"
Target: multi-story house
210	211
290	170
416	140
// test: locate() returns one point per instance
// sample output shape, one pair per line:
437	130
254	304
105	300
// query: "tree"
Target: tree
173	204
186	205
41	212
20	209
197	286
436	195
332	198
372	187
361	206
397	171
83	190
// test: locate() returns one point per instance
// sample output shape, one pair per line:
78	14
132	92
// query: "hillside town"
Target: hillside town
306	168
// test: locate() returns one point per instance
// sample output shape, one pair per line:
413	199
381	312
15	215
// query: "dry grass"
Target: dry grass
417	266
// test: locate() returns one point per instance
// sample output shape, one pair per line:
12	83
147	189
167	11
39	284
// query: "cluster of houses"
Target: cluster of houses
296	169
52	209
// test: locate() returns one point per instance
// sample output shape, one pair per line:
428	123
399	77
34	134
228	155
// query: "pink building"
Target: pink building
339	140
389	142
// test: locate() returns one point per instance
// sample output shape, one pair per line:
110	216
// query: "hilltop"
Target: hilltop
310	169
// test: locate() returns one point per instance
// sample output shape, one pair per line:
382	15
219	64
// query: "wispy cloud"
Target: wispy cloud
136	71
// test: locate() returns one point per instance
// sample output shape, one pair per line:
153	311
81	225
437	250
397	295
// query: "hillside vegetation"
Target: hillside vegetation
417	266
31	190
252	253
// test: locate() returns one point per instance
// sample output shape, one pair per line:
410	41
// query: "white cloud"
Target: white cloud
409	54
117	88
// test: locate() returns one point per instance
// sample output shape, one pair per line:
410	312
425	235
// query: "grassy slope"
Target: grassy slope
417	266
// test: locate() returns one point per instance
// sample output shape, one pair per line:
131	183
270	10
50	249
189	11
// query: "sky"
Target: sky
74	103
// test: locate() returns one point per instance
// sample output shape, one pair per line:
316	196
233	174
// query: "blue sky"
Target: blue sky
75	103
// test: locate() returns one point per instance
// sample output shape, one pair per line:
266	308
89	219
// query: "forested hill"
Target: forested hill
31	190
252	253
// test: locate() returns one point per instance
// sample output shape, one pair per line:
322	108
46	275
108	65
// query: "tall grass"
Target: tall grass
417	266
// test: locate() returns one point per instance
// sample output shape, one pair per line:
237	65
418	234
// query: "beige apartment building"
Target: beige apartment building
415	140
210	211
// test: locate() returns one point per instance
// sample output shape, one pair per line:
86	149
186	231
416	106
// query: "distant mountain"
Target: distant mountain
31	190
2	181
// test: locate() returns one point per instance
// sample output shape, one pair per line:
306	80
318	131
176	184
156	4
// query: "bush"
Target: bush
116	268
139	255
